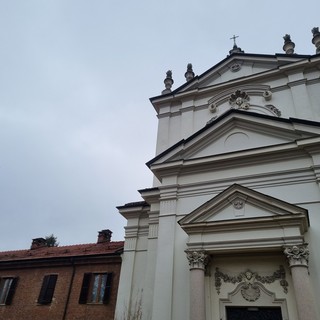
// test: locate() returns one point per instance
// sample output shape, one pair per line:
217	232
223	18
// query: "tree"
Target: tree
51	241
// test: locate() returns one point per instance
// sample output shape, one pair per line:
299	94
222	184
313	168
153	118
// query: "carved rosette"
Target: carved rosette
198	259
239	100
297	255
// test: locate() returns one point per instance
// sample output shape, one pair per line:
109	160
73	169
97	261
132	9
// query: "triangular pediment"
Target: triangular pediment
238	203
236	67
237	131
240	218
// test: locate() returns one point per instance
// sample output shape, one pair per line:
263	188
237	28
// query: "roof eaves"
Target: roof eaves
133	205
160	155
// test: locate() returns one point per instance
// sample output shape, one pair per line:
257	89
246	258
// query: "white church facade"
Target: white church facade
231	228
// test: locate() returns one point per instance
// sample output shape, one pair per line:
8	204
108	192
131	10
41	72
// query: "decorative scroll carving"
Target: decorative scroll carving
239	100
249	277
297	255
211	120
198	259
273	109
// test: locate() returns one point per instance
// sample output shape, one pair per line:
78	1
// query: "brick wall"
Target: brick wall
25	306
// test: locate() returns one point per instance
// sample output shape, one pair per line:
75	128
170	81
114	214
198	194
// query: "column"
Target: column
197	261
298	261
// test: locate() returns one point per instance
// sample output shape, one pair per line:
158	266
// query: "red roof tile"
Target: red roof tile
112	247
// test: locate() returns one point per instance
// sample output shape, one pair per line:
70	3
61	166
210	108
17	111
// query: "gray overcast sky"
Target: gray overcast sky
76	125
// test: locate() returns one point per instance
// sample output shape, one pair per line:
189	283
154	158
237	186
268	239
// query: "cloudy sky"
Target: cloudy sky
76	124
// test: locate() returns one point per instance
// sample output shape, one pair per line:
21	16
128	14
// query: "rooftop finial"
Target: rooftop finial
288	46
168	82
189	74
234	40
316	38
235	48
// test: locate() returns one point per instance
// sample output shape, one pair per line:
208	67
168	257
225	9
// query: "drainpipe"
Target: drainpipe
69	290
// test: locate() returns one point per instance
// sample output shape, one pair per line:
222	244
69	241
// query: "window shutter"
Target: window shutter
47	289
107	291
12	290
85	288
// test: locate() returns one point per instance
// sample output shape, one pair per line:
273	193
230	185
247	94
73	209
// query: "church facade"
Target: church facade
231	227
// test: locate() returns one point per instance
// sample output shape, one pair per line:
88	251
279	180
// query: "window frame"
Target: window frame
7	296
103	288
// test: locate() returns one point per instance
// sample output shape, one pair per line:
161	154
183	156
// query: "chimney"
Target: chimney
38	243
104	236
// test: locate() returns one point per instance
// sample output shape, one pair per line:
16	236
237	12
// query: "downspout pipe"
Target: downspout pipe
69	290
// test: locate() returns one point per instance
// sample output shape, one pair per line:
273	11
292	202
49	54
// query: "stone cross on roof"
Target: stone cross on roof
235	48
234	39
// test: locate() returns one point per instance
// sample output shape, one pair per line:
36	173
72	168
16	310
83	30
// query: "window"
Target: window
96	288
7	289
47	289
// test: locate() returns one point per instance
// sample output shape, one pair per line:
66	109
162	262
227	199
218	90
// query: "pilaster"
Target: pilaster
162	299
298	258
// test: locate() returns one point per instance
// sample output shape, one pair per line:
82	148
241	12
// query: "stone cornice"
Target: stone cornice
253	245
245	157
280	221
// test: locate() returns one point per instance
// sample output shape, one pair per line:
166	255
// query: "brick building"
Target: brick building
75	282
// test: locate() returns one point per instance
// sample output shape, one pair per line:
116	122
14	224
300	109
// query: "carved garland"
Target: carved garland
249	290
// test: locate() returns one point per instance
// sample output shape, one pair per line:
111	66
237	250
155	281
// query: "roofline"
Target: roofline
294	57
61	261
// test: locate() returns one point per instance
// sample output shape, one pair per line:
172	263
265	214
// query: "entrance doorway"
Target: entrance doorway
253	313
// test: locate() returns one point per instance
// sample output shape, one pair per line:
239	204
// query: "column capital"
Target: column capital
297	255
198	259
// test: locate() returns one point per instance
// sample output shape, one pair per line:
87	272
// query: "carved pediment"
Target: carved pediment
234	67
240	217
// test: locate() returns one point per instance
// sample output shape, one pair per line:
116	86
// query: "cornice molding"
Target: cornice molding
290	150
